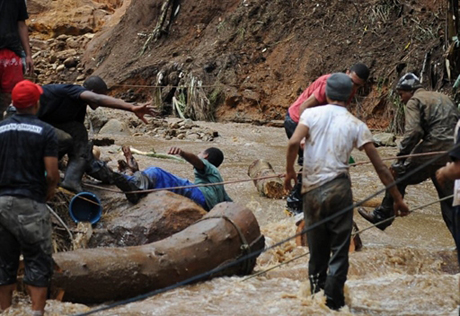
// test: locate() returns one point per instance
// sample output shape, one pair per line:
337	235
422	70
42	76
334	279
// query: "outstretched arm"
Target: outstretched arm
385	176
95	100
193	159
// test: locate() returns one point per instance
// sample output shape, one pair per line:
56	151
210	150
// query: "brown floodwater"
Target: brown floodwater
409	269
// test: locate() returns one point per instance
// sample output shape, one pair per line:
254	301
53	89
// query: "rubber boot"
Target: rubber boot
126	185
376	216
100	171
73	175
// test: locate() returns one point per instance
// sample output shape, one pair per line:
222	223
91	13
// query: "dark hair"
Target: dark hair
360	70
215	156
95	84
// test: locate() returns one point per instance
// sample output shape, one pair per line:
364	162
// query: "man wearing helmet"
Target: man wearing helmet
430	119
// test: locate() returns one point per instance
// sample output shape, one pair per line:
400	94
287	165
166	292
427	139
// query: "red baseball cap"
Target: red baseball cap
25	94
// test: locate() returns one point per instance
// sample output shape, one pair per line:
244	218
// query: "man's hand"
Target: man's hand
145	109
29	65
441	174
401	208
290	175
175	151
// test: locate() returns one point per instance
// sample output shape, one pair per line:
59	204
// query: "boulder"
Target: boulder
156	216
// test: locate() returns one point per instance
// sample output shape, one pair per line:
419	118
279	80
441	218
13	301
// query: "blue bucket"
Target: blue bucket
85	207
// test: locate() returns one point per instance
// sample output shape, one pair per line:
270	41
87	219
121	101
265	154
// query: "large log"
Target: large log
225	234
271	187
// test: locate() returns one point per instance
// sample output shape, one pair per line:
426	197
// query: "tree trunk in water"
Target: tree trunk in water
271	187
226	233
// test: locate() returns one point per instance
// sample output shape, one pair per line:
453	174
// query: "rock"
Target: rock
384	139
63	55
115	127
60	68
71	62
98	119
157	216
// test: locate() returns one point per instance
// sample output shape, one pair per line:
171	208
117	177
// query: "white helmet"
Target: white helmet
408	82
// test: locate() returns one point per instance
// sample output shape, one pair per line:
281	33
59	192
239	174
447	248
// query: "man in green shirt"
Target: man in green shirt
205	166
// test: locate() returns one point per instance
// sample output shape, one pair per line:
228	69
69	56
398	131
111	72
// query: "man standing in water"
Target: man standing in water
430	119
313	96
28	178
331	133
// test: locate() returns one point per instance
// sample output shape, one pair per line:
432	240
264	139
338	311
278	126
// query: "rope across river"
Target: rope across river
258	252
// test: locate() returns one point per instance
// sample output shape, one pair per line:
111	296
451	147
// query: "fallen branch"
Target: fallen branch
155	155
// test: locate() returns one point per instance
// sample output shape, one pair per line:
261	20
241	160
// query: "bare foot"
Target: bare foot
130	160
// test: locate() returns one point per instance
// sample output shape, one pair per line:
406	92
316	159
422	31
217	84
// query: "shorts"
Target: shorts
11	70
25	226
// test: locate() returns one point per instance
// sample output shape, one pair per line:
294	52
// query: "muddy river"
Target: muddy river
409	269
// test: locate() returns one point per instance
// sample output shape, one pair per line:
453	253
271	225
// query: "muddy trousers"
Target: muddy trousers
76	147
329	242
385	210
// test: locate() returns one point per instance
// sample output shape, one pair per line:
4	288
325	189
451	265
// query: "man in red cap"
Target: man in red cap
28	178
14	46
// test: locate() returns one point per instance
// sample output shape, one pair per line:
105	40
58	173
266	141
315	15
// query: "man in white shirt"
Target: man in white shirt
331	133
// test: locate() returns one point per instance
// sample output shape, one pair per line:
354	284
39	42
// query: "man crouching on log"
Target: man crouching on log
331	133
205	166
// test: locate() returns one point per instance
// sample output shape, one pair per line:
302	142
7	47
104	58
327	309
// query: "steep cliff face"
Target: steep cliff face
250	59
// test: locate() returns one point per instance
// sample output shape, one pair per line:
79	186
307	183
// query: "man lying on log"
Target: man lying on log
205	166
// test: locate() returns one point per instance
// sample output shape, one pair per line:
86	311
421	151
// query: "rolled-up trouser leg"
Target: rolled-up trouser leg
332	236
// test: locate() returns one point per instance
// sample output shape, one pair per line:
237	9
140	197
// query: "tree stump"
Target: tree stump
272	186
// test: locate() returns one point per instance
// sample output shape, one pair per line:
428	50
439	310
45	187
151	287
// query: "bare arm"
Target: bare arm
95	100
301	132
24	36
52	176
386	178
308	103
193	159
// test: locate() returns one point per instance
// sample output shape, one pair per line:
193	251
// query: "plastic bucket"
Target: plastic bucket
85	207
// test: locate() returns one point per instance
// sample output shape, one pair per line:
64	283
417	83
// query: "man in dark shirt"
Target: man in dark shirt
430	119
14	43
28	177
64	107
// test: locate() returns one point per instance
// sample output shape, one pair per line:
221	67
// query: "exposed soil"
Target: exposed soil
249	60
